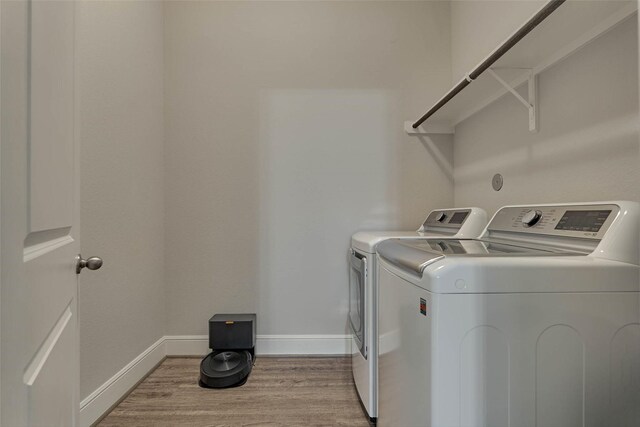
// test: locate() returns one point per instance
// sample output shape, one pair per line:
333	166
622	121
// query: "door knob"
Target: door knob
92	263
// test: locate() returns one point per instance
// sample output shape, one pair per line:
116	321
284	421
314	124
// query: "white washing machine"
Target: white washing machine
441	223
536	323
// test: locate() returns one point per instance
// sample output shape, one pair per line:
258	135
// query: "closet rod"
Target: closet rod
491	59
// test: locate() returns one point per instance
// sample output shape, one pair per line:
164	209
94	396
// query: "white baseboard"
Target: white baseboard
186	345
307	345
108	394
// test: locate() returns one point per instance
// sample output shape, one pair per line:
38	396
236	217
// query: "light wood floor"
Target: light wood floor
279	392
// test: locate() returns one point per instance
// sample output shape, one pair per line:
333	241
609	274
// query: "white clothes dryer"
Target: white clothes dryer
441	223
536	323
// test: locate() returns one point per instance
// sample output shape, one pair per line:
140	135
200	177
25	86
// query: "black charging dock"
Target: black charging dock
232	339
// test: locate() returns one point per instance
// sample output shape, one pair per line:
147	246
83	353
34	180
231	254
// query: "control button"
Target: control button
531	218
441	217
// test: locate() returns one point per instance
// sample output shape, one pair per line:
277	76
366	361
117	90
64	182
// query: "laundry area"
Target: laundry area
333	213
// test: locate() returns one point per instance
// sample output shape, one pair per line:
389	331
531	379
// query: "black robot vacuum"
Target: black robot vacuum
232	339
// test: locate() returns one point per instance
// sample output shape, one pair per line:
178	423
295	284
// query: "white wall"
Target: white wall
478	26
587	147
120	60
283	137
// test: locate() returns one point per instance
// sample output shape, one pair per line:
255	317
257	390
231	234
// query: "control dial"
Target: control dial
441	217
531	218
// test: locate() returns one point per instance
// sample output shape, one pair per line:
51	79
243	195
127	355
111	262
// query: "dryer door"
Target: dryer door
357	281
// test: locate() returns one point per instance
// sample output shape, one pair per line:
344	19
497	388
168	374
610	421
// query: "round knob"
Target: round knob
531	218
92	263
441	217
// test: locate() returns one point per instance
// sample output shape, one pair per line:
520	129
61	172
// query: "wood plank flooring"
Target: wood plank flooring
280	391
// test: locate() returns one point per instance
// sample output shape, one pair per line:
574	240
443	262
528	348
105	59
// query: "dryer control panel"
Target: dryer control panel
450	218
582	221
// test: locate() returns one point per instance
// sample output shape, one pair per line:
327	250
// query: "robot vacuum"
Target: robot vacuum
232	341
223	369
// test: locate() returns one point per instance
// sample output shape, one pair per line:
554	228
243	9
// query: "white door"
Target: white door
39	218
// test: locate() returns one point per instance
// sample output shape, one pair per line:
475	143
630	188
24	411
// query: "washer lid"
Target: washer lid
414	255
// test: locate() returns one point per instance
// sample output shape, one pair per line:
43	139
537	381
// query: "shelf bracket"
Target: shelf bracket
428	128
531	104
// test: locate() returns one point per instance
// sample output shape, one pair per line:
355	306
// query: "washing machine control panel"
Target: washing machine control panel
583	221
450	218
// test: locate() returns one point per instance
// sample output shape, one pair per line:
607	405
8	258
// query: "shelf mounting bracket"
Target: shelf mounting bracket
428	128
531	104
